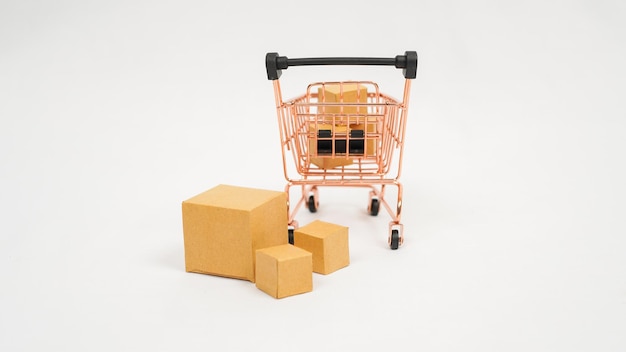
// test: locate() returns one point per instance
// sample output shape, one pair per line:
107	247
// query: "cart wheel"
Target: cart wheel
312	204
395	239
290	235
374	207
291	228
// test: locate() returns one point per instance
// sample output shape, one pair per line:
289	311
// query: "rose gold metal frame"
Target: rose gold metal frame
299	119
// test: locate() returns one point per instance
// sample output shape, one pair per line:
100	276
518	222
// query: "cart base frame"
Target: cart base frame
377	192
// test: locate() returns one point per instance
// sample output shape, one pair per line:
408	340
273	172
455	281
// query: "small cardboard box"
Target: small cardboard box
284	270
224	226
328	162
327	242
346	93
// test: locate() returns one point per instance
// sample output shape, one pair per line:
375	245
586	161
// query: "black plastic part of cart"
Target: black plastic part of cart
275	63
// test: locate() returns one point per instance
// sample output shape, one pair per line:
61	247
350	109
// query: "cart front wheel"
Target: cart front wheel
290	230
312	203
394	241
374	207
290	235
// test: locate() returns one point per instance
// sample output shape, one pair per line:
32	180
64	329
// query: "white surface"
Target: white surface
113	113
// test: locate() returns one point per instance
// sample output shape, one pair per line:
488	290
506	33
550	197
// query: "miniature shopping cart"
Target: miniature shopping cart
344	133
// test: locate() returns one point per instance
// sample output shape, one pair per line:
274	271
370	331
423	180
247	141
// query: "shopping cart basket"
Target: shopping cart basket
344	133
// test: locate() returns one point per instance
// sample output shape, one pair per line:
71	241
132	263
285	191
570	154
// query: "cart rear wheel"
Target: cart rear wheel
291	228
394	241
312	203
374	207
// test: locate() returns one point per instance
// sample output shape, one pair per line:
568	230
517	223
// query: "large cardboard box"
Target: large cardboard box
284	270
327	242
224	226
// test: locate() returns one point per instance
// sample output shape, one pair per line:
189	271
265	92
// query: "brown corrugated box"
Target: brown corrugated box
328	162
224	226
343	93
284	270
346	93
327	242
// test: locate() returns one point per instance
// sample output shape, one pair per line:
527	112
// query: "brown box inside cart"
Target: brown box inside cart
328	243
284	270
367	123
346	93
328	162
224	226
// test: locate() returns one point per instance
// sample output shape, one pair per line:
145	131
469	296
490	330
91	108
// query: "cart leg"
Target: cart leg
292	224
396	229
399	202
292	209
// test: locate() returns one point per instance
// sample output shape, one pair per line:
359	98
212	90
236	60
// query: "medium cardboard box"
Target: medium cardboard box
224	226
327	242
327	162
284	270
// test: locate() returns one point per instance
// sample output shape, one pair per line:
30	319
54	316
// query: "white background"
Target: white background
113	113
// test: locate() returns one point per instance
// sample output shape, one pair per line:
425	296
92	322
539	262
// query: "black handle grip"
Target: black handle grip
407	62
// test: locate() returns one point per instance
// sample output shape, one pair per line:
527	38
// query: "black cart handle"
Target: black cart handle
407	62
